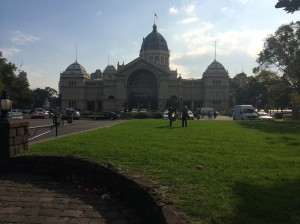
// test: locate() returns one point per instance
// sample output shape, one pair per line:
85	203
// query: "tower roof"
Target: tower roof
76	69
110	69
154	41
215	69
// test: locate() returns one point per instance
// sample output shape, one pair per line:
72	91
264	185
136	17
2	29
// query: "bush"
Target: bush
157	115
141	116
278	115
126	115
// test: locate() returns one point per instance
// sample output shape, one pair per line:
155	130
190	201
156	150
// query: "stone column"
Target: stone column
13	137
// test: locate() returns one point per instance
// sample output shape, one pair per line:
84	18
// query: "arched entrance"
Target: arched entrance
142	90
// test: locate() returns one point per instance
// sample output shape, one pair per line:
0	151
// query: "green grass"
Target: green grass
251	169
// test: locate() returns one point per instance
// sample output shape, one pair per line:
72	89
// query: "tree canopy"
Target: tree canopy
17	88
282	51
288	5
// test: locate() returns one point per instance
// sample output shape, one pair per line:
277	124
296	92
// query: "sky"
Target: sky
43	37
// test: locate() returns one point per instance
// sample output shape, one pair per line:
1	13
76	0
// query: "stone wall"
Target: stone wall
13	137
102	177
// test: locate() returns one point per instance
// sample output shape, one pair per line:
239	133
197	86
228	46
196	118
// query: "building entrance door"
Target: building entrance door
142	90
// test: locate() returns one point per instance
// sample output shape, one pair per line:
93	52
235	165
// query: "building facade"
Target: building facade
146	82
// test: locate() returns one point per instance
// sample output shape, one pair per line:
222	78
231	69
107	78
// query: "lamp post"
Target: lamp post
5	104
181	102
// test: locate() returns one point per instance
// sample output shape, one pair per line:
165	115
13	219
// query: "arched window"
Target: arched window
111	97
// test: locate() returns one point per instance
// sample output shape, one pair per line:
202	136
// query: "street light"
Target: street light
181	102
5	104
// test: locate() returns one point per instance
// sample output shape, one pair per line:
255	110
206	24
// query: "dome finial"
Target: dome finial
154	27
76	52
215	50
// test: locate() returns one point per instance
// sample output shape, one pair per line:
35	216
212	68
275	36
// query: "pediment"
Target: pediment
142	63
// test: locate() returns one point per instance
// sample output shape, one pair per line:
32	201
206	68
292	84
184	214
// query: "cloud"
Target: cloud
189	9
21	38
99	13
188	20
246	40
224	9
173	10
244	2
200	41
10	52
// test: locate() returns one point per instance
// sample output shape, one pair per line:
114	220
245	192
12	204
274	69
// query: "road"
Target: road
38	134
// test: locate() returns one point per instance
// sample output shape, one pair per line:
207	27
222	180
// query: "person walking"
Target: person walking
171	115
184	115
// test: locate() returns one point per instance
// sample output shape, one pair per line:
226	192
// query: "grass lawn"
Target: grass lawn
250	174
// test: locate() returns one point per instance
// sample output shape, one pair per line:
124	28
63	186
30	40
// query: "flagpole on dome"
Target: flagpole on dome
155	16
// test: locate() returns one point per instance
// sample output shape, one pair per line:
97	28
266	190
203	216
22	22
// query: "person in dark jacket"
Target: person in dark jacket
171	112
184	115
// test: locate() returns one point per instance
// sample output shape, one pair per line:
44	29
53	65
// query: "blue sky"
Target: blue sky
41	35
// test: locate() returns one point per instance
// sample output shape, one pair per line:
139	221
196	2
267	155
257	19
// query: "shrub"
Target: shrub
157	115
141	115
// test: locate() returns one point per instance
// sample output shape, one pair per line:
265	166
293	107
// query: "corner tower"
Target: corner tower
216	86
155	48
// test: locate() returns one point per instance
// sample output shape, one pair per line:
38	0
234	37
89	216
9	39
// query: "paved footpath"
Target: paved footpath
27	198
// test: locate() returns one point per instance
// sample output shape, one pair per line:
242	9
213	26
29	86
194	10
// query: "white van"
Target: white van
244	112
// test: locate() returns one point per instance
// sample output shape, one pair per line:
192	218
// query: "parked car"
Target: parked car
190	115
134	110
166	116
70	112
38	113
15	114
264	116
106	115
143	110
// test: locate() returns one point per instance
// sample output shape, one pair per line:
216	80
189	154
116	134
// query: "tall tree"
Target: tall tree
288	5
238	89
282	51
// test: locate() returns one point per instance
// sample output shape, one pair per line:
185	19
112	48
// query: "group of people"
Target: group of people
184	115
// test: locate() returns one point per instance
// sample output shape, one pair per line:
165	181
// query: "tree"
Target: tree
282	51
17	88
238	89
289	5
42	95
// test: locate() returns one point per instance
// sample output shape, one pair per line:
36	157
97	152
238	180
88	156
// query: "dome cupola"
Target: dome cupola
76	70
109	72
215	69
155	48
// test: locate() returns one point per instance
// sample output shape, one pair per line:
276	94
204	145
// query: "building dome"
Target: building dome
109	72
155	48
97	74
215	69
154	41
110	69
76	69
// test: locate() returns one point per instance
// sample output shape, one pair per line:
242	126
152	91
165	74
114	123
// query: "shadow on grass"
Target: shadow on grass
276	127
168	127
276	204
